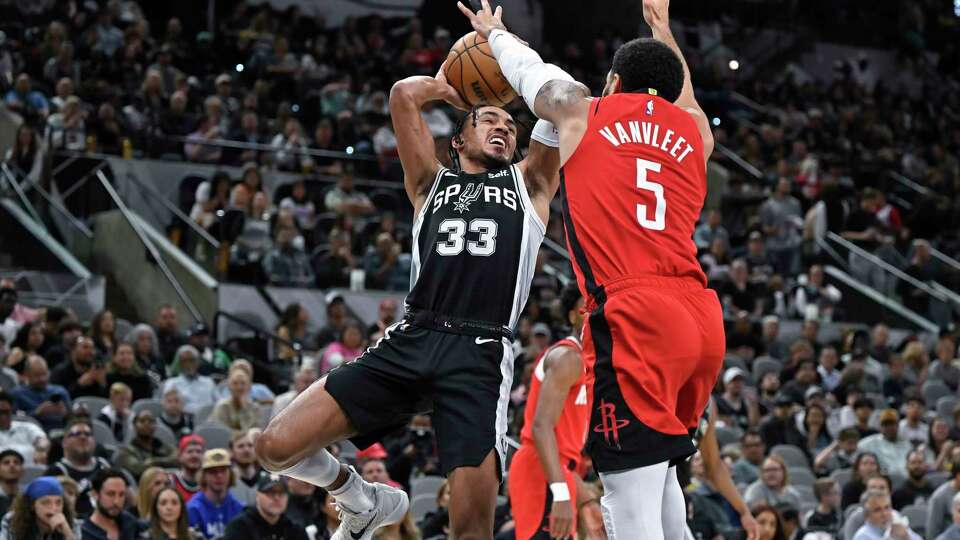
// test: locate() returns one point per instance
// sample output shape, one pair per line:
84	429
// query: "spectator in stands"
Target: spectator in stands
944	366
953	532
917	361
839	454
250	133
760	264
916	487
48	403
266	519
210	198
167	331
259	393
292	327
746	469
738	294
253	242
865	466
290	147
245	465
306	375
816	435
891	448
40	512
769	525
197	391
116	414
177	120
773	487
11	472
863	410
940	505
827	368
144	449
15	435
214	506
287	264
304	506
333	267
804	379
29	340
879	520
780	427
173	415
146	350
109	520
64	89
879	343
26	155
345	199
79	462
923	268
151	481
168	517
237	412
940	444
773	345
814	299
895	384
414	453
84	374
826	517
348	347
912	427
782	219
386	316
210	129
27	102
123	369
108	130
706	233
733	408
67	129
716	261
107	39
386	267
190	453
8	326
302	207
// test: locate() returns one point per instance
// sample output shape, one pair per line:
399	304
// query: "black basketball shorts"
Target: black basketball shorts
463	379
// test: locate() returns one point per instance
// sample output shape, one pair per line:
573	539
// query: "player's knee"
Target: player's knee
469	532
273	452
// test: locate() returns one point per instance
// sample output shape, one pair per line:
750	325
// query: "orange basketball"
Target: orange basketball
473	71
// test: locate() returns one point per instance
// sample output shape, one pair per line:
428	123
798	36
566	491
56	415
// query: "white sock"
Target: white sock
632	502
352	496
320	469
674	511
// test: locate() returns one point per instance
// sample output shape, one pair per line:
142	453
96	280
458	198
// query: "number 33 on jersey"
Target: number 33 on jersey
641	162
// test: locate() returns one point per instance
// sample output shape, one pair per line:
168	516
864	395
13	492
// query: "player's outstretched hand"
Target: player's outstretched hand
486	20
448	93
561	520
750	526
656	12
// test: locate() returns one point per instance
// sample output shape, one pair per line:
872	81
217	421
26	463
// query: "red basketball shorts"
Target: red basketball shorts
655	346
530	496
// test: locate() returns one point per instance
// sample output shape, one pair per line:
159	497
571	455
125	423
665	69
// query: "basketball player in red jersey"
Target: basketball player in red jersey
633	183
546	490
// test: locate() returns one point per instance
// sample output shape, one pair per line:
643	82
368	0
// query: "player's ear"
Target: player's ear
614	84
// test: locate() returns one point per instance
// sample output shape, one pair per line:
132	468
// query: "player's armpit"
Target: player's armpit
414	140
541	171
558	101
703	126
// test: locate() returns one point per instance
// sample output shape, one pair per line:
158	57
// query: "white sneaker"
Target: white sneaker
389	506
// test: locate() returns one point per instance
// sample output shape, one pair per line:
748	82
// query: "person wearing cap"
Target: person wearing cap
733	408
214	506
11	471
144	450
110	521
891	449
197	391
780	427
41	513
16	435
759	262
266	519
213	361
190	458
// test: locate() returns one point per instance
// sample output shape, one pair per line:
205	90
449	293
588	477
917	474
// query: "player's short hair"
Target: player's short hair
569	297
645	63
457	135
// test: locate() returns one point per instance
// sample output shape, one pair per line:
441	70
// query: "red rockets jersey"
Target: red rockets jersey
571	428
632	191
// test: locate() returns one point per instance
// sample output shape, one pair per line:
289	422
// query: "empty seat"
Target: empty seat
215	435
801	476
422	505
945	406
934	390
155	406
792	456
764	365
93	404
425	484
728	435
103	434
917	514
842	476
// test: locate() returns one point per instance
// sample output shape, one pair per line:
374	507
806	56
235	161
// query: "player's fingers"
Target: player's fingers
486	7
465	10
499	12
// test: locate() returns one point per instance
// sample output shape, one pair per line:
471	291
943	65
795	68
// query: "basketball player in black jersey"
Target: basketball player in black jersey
477	231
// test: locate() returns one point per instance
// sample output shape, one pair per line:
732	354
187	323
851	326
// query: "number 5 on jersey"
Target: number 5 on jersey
456	229
658	223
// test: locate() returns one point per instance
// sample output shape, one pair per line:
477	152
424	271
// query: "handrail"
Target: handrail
261	147
55	204
154	253
881	299
943	257
176	211
82	181
903	180
22	196
297	348
559	249
886	266
753	171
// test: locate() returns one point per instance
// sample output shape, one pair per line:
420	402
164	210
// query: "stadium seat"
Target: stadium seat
425	484
202	414
934	390
165	434
732	360
793	456
945	406
842	476
153	405
7	383
806	492
215	435
937	478
764	365
422	505
801	476
897	480
728	435
103	434
917	514
31	473
93	404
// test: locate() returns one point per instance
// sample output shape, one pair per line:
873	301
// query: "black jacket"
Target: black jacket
249	525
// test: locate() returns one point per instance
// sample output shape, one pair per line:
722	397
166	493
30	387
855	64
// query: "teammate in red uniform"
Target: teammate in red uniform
633	183
546	491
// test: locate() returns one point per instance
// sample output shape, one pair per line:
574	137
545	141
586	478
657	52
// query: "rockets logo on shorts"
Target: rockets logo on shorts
610	425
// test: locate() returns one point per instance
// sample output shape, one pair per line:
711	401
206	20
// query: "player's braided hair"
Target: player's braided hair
458	137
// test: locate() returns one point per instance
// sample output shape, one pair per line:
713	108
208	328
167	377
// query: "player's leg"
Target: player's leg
530	496
632	502
674	507
473	499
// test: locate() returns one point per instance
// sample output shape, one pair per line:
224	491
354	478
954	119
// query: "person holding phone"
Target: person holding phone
83	374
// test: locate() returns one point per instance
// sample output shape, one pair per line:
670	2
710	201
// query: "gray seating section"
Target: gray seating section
103	434
917	514
153	405
934	390
842	476
801	476
728	435
764	365
93	404
792	456
945	406
425	484
215	435
422	505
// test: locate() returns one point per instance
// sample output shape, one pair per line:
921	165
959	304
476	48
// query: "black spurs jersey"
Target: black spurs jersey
475	245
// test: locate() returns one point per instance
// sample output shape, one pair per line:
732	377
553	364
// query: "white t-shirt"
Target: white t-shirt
20	437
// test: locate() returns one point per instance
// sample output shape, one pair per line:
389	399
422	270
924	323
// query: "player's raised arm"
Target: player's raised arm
657	15
562	368
718	474
414	141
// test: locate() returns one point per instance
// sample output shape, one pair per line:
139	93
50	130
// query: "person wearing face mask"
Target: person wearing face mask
40	513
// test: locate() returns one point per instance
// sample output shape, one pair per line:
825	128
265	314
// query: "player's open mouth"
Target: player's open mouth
498	141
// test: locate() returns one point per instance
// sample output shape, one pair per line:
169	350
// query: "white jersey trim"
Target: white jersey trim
503	402
525	196
415	255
